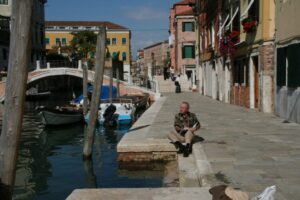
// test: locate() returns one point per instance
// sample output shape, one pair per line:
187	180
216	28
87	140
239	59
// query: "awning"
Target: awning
232	18
244	15
223	25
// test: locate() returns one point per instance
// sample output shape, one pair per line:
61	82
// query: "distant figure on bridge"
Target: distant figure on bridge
185	124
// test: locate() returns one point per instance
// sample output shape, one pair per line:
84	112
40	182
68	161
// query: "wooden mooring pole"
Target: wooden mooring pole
19	60
111	83
99	71
85	88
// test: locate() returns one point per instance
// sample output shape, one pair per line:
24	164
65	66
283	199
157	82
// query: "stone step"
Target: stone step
142	193
188	173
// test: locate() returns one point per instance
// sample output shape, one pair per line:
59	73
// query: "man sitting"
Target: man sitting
186	124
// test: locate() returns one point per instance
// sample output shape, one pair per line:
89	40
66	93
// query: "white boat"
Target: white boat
56	117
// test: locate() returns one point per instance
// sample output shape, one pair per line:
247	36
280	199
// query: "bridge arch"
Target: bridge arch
37	75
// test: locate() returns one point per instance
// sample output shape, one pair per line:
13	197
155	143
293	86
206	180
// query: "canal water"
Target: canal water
50	164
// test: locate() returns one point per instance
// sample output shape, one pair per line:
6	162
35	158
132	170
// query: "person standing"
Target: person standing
185	124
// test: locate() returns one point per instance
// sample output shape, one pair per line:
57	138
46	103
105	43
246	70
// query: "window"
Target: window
188	27
4	2
124	56
114	41
47	41
4	54
188	51
288	62
64	41
108	41
124	41
241	71
254	10
114	55
293	52
236	24
62	28
57	41
75	27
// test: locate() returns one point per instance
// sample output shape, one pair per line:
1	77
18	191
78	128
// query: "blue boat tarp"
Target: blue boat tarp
104	93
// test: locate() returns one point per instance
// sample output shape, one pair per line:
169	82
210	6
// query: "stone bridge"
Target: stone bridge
40	74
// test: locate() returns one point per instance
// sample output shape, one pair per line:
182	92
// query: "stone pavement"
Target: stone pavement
245	148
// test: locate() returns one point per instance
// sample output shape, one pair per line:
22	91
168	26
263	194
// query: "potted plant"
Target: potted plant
227	46
249	25
234	35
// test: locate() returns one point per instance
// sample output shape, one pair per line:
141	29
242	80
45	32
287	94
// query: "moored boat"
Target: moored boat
124	114
60	116
38	96
140	100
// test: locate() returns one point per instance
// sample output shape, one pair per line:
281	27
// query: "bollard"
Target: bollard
48	65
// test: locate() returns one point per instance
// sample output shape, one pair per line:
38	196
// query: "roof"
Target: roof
187	12
185	2
107	24
157	44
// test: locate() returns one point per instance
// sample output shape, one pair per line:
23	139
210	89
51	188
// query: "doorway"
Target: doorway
256	81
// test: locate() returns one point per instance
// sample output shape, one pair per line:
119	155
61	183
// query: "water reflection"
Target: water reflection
50	164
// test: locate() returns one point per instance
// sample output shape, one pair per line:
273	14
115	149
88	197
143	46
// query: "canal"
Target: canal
50	164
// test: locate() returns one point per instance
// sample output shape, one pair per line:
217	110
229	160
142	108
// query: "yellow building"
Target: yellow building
58	33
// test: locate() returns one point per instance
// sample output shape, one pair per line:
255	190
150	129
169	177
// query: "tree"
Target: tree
83	45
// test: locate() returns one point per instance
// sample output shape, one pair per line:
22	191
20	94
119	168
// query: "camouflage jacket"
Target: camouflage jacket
188	120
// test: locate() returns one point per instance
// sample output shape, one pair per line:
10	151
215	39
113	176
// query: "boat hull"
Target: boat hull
55	119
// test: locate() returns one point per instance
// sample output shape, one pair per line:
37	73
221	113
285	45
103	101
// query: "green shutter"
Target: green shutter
188	52
281	67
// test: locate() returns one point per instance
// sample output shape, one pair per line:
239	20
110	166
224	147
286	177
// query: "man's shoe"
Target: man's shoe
187	150
180	148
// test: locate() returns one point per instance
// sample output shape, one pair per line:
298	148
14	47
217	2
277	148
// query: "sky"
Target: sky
147	19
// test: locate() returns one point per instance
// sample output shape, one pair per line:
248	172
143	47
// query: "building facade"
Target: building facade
156	58
237	52
288	60
59	33
182	42
38	27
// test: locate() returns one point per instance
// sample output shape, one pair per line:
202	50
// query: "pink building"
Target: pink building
182	40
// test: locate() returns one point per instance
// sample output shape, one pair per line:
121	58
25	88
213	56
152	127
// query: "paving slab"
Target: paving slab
144	193
244	148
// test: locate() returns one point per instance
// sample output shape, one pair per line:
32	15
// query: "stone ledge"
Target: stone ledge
143	193
142	144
